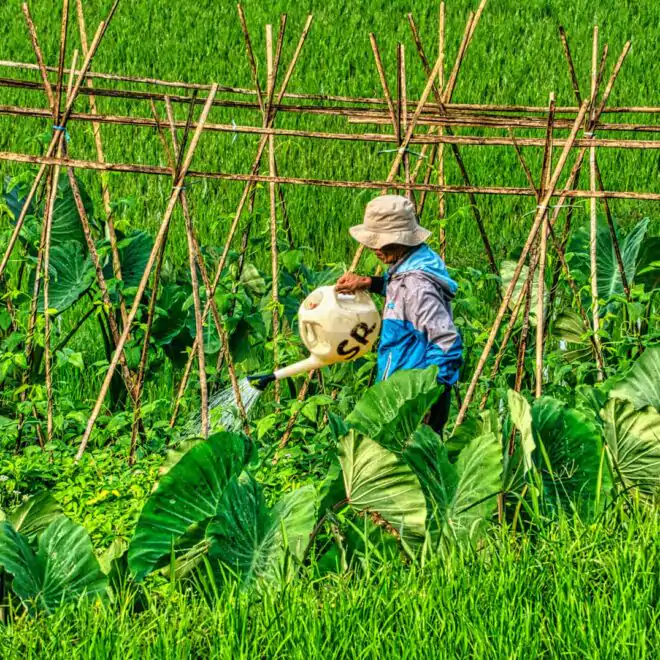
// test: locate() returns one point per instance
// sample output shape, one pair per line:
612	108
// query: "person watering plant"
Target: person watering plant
418	328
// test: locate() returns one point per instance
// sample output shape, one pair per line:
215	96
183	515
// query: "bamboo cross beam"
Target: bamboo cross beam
385	138
250	179
180	84
176	190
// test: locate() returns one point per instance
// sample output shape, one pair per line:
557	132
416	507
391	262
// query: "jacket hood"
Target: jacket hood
426	261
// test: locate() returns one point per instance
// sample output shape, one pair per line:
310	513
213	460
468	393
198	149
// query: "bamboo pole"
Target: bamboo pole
239	210
48	222
514	279
474	107
91	246
593	224
325	183
608	214
273	211
176	189
440	100
442	202
386	138
540	301
100	155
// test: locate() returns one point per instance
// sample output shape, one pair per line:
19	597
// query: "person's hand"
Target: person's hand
350	283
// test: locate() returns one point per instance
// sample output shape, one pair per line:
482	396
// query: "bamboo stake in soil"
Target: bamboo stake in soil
239	210
273	212
176	189
440	157
593	225
48	222
608	214
514	279
543	248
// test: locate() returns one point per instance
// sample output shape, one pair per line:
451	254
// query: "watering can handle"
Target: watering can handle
352	296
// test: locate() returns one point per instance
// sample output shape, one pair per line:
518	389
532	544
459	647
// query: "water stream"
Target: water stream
223	410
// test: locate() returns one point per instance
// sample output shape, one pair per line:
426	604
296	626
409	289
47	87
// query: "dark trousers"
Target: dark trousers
439	414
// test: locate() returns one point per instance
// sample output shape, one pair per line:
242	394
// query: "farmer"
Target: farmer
418	328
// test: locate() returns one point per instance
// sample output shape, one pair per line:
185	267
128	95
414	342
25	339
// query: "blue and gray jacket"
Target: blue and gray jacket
418	328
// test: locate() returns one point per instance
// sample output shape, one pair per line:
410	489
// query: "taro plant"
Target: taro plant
47	559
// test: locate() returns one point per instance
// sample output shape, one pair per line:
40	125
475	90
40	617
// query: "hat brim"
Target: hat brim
377	241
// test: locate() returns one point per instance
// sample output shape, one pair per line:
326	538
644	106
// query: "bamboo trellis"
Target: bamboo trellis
432	121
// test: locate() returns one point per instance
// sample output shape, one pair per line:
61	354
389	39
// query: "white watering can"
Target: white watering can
334	327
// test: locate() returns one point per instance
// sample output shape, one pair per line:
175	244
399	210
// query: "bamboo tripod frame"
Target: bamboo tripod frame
431	122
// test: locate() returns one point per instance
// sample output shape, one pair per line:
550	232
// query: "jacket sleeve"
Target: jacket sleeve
430	313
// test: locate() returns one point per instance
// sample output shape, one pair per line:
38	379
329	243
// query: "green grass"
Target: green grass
574	591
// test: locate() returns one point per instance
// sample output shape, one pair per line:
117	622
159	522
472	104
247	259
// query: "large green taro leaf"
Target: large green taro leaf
71	275
574	450
188	494
134	252
35	514
377	480
391	410
427	455
478	471
63	568
250	539
609	279
641	386
67	225
633	443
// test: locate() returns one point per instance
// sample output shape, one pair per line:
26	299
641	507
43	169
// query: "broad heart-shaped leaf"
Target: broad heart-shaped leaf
67	226
569	329
521	416
250	539
13	196
188	494
71	275
428	458
35	514
633	443
574	450
609	278
479	469
377	480
63	569
171	317
648	264
134	251
641	386
506	273
391	410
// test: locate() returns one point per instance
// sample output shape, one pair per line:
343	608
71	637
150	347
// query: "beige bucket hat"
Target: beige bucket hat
389	219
